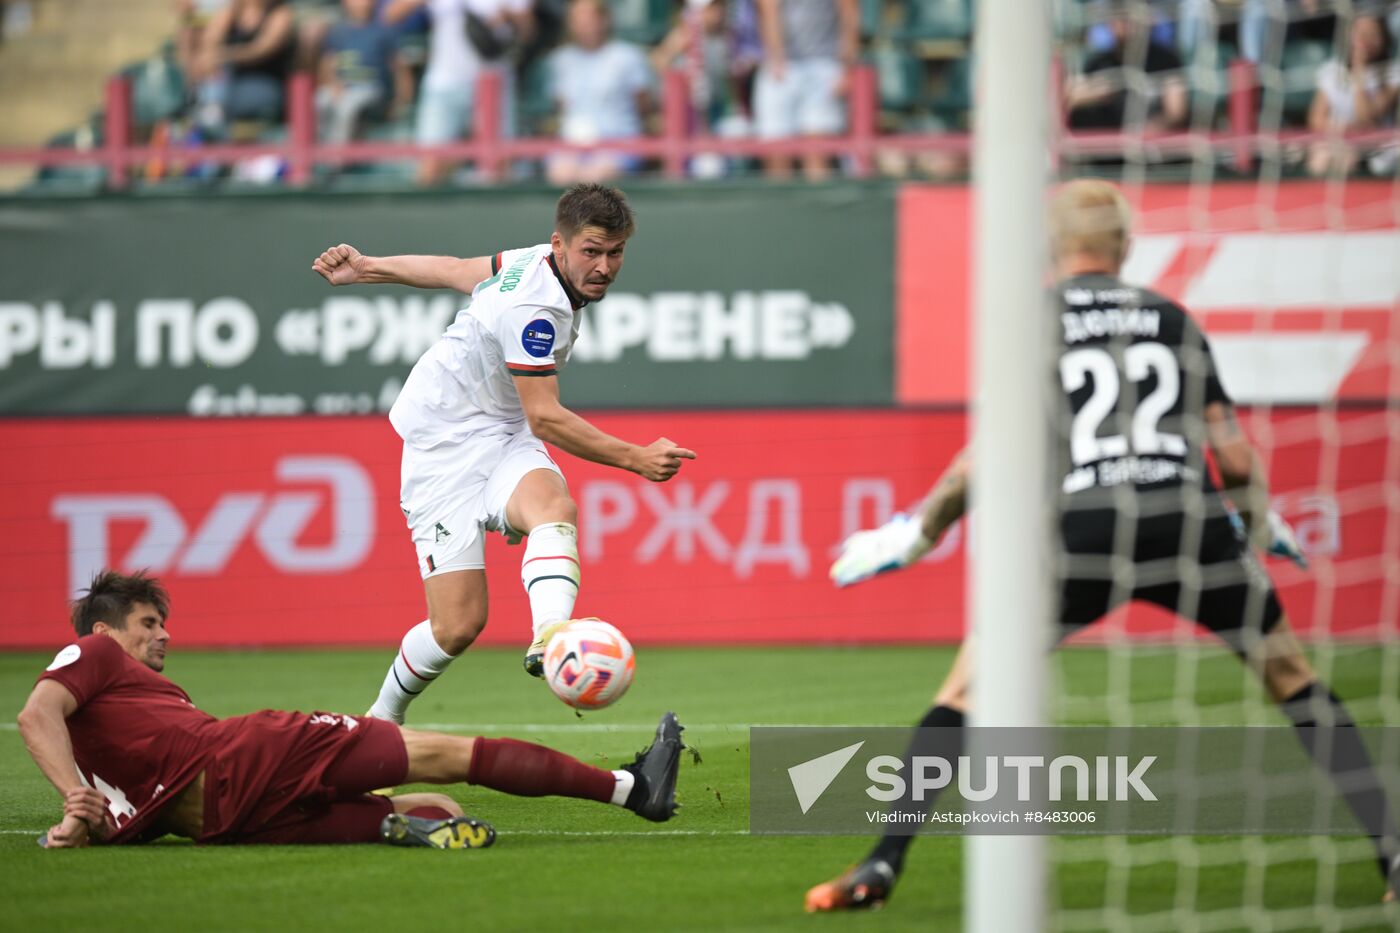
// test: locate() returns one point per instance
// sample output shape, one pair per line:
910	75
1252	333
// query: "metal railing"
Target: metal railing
678	141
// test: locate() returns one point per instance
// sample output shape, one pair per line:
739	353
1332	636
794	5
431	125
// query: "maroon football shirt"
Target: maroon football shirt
136	736
139	740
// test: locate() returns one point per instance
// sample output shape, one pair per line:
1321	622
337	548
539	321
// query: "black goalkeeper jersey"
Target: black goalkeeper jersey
1136	375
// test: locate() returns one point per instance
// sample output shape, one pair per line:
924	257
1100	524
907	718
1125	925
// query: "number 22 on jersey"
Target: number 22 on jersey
1139	361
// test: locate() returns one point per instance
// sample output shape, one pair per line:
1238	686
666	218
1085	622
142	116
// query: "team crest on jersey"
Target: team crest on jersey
538	337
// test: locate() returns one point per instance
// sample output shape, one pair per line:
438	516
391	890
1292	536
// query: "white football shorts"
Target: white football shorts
453	494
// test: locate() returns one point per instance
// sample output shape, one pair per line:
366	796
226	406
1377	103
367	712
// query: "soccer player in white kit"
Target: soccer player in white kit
473	416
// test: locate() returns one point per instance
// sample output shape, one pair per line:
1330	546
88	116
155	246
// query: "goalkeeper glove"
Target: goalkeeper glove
1282	542
897	543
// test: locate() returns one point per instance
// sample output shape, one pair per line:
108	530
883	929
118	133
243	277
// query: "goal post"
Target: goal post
1008	574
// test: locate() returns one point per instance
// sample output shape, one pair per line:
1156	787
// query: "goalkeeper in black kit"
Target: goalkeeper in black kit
1139	402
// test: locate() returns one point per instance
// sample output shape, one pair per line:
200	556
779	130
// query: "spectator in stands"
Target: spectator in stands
465	38
718	70
192	18
361	74
603	89
1259	28
245	56
809	48
1101	97
1358	93
1099	36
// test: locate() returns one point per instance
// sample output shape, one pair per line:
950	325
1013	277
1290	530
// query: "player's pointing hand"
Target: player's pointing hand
661	459
340	265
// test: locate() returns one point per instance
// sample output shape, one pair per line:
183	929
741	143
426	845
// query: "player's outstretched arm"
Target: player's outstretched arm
1246	486
554	424
43	724
345	265
904	539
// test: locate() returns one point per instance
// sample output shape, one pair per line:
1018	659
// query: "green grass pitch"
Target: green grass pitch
564	863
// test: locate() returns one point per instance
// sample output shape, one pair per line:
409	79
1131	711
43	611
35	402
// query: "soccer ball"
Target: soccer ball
588	664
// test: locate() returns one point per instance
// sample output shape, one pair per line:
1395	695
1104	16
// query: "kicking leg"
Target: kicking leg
457	603
940	734
549	569
1327	732
646	787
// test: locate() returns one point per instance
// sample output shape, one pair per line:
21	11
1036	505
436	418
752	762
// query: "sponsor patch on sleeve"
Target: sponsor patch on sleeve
538	337
65	657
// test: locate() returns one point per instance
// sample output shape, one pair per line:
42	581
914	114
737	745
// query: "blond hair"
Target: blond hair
1090	216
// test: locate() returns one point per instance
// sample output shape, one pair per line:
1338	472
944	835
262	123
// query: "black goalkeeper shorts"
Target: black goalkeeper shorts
1219	584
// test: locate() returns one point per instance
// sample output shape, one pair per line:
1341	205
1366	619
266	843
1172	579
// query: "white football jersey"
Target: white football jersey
520	322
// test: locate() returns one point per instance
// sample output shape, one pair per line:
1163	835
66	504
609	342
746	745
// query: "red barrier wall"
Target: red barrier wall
1259	266
287	532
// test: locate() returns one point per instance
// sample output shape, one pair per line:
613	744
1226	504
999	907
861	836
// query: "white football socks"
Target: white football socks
419	662
626	780
550	573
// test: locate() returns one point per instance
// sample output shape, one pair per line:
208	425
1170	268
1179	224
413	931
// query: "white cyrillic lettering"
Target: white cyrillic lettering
683	518
408	327
605	507
674	327
206	401
298	333
104	335
19	331
620	322
784	325
66	343
786	495
346	324
388	394
221	349
855	493
735	327
177	316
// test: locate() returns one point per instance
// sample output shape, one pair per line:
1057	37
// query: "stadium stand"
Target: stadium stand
915	86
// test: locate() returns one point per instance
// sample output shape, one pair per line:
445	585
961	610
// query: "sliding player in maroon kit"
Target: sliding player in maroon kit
135	760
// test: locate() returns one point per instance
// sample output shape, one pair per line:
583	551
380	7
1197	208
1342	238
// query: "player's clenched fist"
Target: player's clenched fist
660	460
72	833
340	265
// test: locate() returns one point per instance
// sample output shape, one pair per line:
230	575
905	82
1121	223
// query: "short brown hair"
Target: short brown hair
589	204
1090	216
111	595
